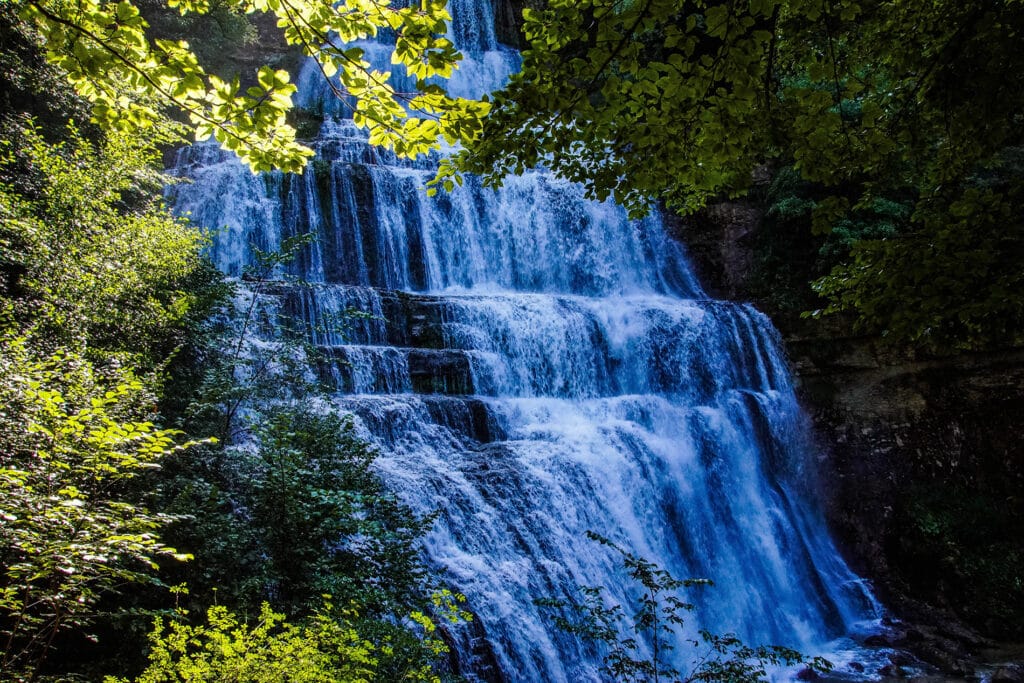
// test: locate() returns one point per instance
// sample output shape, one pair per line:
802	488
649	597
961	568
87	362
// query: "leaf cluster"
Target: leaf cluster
327	647
306	515
966	540
270	650
99	284
960	263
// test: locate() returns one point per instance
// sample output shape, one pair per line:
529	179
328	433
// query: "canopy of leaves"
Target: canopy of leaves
678	101
95	277
131	81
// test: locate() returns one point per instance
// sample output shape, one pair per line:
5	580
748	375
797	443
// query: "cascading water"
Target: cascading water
535	366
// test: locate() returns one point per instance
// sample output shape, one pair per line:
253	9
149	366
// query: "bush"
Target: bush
72	533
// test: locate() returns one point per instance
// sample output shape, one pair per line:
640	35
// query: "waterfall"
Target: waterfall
535	365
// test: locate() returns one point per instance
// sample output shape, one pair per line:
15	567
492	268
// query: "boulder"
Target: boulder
1008	673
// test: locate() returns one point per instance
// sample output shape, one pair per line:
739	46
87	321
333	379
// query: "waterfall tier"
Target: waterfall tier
534	365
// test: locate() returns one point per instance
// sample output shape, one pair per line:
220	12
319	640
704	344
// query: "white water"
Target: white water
608	393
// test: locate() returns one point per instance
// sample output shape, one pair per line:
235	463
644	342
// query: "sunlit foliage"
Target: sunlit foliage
132	80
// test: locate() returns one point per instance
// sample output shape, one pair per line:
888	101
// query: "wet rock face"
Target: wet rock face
719	244
467	416
908	649
922	458
440	372
481	662
507	21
